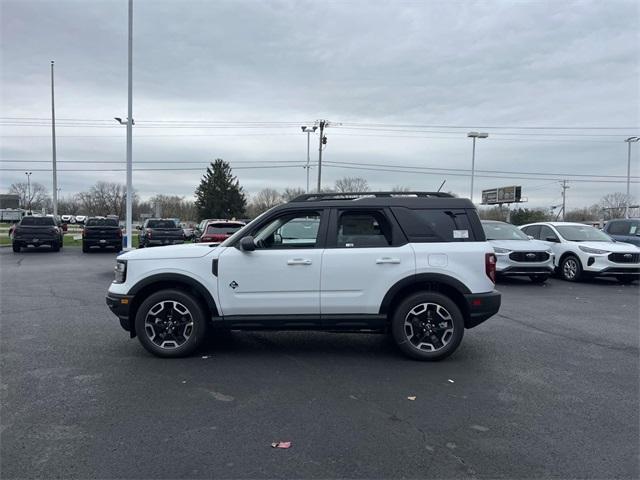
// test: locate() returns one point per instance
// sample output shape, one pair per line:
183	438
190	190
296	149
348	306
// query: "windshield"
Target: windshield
503	231
223	228
161	224
624	227
582	233
38	221
102	222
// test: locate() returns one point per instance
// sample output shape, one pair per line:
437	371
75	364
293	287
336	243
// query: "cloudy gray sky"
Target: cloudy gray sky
402	80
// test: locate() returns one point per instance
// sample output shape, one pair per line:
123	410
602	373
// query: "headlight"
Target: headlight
120	271
501	251
593	251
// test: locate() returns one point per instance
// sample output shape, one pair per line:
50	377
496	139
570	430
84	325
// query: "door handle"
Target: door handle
383	260
299	261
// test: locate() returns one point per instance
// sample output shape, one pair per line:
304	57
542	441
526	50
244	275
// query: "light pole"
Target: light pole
474	135
28	174
308	131
53	146
629	141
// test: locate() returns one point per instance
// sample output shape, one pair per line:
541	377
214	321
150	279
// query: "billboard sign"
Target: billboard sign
496	196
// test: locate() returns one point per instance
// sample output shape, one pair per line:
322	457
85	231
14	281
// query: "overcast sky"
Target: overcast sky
460	65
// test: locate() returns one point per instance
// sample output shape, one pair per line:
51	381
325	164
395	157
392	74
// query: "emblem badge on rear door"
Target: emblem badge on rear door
234	284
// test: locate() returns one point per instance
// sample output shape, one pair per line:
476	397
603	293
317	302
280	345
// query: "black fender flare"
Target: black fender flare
433	278
168	278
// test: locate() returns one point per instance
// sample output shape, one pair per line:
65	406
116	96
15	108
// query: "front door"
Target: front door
281	276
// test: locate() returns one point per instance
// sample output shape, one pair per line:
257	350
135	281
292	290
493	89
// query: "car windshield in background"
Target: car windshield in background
503	231
624	227
579	233
223	228
37	221
101	222
161	224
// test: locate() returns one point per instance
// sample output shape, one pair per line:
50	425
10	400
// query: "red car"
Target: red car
218	231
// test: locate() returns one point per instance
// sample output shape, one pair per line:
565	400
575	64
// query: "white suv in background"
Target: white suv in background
582	250
416	265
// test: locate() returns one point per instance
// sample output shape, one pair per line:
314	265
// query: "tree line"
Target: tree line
220	195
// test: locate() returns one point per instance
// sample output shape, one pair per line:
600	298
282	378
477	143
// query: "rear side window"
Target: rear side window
161	224
435	225
363	229
37	221
102	222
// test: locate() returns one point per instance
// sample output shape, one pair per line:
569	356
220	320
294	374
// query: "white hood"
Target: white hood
187	250
521	245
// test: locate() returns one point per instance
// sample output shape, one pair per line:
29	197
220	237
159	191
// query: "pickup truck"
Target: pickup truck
101	232
160	231
37	231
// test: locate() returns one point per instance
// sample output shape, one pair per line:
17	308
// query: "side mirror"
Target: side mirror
552	239
138	227
247	244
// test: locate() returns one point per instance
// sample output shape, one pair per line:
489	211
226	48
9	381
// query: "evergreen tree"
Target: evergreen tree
219	194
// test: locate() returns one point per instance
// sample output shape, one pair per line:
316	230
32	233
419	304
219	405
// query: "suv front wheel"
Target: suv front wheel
427	326
571	269
171	323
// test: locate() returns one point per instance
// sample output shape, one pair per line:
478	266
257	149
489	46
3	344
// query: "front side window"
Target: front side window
532	231
547	234
298	230
363	229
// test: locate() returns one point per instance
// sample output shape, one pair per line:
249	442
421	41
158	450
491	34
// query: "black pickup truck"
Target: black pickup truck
160	231
101	232
37	231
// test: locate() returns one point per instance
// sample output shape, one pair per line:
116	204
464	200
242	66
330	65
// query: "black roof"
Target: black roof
379	199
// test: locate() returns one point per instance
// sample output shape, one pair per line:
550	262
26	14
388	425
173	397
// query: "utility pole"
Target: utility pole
28	174
129	207
564	199
308	131
628	199
323	141
53	146
474	135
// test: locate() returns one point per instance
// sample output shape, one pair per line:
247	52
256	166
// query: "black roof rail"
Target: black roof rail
309	197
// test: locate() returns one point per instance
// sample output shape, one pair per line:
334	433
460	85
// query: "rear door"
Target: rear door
366	254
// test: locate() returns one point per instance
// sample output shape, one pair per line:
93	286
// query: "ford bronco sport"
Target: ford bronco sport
414	264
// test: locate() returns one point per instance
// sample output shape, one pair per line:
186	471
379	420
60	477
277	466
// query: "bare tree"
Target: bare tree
104	198
586	214
174	206
351	184
264	200
614	204
39	196
291	193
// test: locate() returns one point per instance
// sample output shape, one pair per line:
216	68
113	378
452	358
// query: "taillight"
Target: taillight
119	233
149	232
490	266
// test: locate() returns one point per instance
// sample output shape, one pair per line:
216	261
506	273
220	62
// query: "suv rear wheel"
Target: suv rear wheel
16	247
427	326
171	323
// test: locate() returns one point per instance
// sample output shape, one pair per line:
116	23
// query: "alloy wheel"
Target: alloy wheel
168	324
570	268
429	327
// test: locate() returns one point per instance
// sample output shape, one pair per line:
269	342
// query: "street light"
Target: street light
626	208
28	174
474	135
308	131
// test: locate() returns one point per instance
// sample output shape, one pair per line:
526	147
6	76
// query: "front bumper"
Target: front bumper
517	270
120	306
481	306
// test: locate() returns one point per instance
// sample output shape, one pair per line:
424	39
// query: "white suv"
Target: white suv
415	264
582	250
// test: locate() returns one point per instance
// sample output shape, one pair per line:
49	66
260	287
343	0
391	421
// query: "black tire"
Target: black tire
625	279
85	248
539	278
55	247
61	243
186	340
571	268
403	334
16	247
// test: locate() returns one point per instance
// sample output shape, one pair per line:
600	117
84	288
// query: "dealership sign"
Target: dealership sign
497	196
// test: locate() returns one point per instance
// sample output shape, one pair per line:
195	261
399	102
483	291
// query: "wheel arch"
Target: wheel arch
430	282
141	290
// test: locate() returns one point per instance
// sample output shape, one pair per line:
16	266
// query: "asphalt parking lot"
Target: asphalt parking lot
548	388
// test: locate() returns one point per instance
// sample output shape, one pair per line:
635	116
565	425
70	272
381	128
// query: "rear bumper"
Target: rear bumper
120	306
481	306
97	242
163	241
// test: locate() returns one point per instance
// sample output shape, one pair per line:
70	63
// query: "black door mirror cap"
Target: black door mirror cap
247	244
552	239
